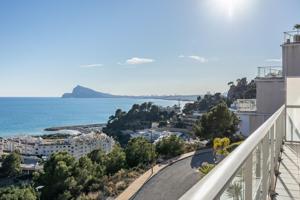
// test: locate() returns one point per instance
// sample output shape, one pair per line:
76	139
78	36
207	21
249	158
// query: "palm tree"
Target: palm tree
297	35
111	118
230	83
234	191
118	113
297	27
199	98
149	105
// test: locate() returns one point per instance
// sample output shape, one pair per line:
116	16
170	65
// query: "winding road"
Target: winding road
173	181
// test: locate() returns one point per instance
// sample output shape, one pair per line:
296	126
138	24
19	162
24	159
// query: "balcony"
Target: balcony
287	185
246	105
269	72
254	170
292	37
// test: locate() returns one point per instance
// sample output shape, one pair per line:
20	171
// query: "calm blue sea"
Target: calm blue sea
19	116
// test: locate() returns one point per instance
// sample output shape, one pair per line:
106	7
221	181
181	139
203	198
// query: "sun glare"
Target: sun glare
230	7
226	6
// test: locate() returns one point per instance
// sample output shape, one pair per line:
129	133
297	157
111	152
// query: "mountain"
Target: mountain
84	92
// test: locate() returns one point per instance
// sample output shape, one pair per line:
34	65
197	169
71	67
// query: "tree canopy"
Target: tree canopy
98	156
116	160
297	27
11	165
67	178
139	151
57	177
17	193
138	117
204	104
241	90
218	122
170	146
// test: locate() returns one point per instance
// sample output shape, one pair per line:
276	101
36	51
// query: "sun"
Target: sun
230	7
226	6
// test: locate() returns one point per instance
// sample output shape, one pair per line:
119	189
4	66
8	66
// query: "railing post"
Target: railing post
258	160
262	147
283	124
248	178
265	170
278	141
272	157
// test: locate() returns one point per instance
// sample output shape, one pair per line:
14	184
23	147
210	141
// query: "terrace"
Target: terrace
246	105
267	164
291	37
252	169
269	72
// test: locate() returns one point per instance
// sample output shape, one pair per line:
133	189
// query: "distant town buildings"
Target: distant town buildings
77	146
1	147
156	135
190	119
176	109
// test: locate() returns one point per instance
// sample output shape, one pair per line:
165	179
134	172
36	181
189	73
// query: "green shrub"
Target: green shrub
170	146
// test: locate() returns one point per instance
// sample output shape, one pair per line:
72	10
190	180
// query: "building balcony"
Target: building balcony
264	166
246	105
292	37
269	72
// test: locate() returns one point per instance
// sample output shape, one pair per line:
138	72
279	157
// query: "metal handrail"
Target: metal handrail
269	71
246	105
291	37
215	182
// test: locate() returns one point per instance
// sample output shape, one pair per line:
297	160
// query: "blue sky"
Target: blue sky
136	46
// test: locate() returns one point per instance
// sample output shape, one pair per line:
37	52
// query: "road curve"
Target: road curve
173	181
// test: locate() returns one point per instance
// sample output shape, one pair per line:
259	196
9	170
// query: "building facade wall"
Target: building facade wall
291	59
250	121
270	95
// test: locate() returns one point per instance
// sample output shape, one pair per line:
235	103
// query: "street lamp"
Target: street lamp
37	189
151	152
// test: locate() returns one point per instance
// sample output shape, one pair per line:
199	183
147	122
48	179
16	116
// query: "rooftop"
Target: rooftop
269	72
292	37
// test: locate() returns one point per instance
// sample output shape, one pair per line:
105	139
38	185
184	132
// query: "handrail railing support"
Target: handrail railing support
248	178
262	146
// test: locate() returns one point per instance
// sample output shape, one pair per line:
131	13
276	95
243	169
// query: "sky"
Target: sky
138	47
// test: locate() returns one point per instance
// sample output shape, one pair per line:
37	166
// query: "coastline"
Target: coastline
84	128
40	116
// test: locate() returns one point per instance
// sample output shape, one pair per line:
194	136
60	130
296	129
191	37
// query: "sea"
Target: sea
30	116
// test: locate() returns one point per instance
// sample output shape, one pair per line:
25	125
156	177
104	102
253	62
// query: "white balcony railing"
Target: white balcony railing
246	105
249	171
292	37
269	72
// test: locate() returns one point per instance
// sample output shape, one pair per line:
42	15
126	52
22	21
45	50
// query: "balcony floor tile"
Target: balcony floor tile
288	182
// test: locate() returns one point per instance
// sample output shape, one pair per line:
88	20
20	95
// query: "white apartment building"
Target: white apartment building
77	146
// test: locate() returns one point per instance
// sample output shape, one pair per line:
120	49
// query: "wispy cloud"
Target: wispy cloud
273	60
194	57
91	65
198	58
139	61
